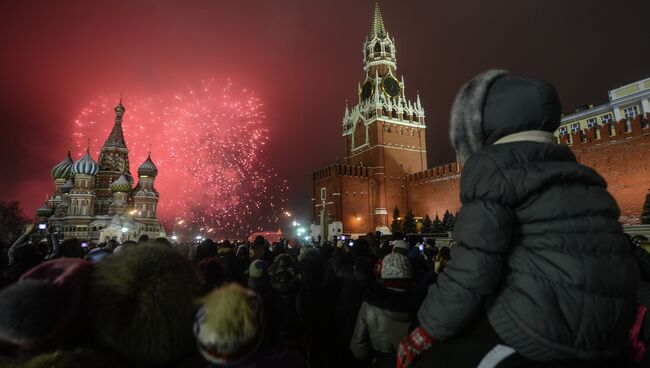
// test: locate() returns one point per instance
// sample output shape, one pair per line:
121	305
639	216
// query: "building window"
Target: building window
575	127
592	122
323	194
377	47
607	118
631	111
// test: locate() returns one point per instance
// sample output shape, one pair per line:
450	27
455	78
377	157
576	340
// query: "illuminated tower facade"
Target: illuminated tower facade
113	162
384	135
145	196
81	209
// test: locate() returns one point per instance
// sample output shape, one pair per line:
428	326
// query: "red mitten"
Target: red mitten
411	346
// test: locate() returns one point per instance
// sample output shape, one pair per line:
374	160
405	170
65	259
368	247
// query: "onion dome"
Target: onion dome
44	211
121	185
148	168
85	165
68	186
64	169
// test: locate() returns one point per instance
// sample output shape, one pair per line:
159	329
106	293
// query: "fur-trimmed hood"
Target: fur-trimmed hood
494	104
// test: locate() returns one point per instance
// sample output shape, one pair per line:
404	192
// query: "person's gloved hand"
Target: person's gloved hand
411	346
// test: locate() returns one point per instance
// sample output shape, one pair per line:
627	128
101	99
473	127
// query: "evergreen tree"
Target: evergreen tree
396	225
447	221
12	221
645	215
437	225
410	227
427	225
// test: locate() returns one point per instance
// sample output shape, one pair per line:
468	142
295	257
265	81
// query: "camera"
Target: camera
84	244
42	226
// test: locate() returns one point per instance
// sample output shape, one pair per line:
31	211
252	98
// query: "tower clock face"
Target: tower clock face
366	90
391	87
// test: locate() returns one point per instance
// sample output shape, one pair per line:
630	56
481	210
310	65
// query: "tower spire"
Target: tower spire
116	137
378	28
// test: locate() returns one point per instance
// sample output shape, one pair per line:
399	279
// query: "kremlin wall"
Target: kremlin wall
621	158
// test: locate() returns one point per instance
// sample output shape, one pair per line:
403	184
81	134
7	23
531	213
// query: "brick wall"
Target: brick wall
620	153
434	191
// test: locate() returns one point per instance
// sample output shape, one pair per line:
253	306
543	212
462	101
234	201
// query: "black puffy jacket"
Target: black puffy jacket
538	242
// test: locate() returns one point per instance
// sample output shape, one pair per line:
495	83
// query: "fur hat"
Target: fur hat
42	309
400	244
258	276
229	324
258	268
142	301
395	268
465	127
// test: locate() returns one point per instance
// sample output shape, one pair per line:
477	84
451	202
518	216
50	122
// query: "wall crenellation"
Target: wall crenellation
606	133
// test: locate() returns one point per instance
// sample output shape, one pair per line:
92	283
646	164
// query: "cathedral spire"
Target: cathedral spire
116	138
378	28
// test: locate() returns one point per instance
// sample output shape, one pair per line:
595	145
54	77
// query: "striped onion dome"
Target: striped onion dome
44	211
68	186
85	165
64	169
121	185
148	168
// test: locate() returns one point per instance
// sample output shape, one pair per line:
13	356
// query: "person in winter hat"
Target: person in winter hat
537	240
229	325
142	302
386	313
258	276
400	246
229	328
286	314
211	272
43	309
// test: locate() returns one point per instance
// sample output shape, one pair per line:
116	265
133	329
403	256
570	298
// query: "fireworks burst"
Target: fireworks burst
208	144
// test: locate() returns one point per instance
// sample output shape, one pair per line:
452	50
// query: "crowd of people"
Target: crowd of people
540	274
156	303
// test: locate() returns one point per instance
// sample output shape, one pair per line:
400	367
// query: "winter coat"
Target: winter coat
538	243
383	320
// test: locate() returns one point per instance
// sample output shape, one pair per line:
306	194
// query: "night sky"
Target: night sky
302	58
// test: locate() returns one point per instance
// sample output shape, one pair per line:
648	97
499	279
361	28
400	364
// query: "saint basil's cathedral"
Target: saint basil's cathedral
97	200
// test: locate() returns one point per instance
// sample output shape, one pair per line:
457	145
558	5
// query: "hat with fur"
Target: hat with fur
142	301
495	104
229	325
42	309
400	244
396	271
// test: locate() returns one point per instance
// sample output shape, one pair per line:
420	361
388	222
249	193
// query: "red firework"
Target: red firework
208	144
